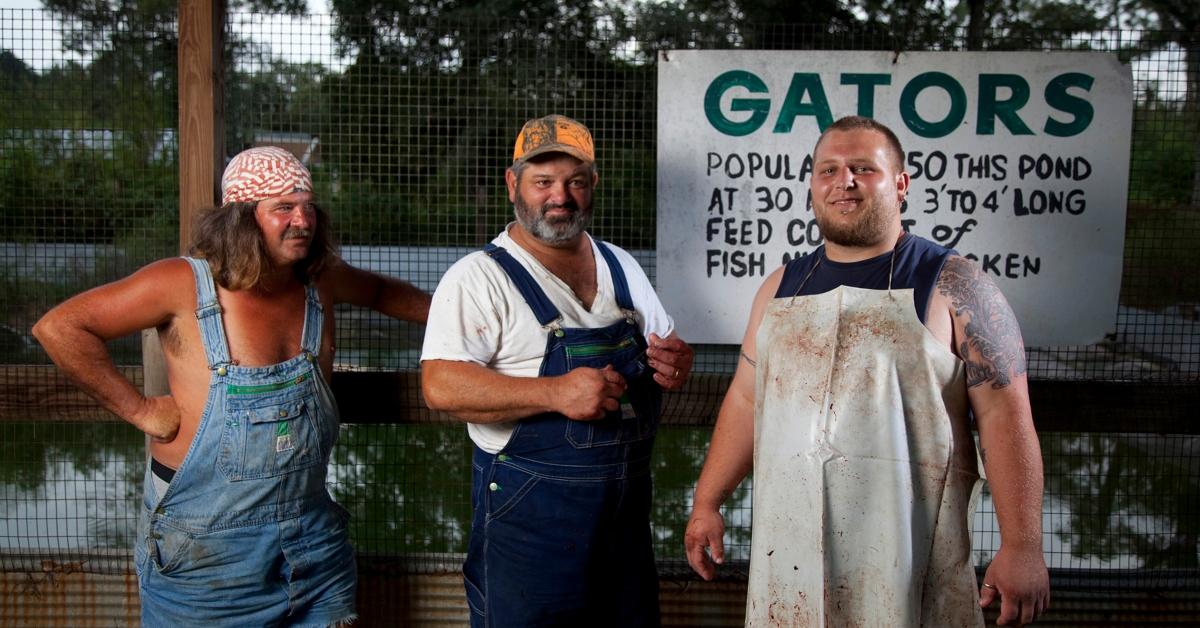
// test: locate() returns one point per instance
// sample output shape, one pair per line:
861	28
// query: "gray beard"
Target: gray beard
552	233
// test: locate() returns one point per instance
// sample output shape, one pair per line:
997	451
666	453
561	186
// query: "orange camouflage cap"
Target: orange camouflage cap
554	134
263	172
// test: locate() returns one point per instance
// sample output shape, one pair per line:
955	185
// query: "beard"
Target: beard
870	228
557	230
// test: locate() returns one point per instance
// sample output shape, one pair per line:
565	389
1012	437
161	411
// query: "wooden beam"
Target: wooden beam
1058	406
380	398
44	393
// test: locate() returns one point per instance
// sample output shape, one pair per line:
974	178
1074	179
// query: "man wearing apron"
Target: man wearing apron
237	528
555	349
850	403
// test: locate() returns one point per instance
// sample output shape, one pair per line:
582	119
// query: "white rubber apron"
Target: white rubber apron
864	468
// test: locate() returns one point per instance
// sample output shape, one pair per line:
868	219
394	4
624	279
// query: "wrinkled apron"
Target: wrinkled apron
864	468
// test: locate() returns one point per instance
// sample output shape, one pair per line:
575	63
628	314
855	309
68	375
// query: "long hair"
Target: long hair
230	239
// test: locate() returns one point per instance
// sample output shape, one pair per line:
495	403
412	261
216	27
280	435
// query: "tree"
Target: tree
1006	25
13	70
1176	22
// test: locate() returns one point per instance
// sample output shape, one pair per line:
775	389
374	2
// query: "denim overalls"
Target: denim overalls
247	534
560	534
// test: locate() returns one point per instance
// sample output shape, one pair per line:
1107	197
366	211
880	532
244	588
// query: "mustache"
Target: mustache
568	204
293	232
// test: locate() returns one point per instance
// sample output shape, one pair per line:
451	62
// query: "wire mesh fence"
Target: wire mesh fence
407	125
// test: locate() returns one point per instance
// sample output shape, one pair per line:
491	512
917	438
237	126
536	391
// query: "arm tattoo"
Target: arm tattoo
753	363
992	348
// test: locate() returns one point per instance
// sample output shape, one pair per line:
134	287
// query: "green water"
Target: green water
406	486
1113	501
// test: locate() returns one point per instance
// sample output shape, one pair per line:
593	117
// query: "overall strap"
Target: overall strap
542	308
208	314
314	321
620	285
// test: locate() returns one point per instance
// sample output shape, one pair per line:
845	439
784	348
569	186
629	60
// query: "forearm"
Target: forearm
1012	461
399	299
84	358
730	455
477	394
1013	465
402	300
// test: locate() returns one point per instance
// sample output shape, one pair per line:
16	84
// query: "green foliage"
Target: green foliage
1162	252
415	132
75	195
1162	155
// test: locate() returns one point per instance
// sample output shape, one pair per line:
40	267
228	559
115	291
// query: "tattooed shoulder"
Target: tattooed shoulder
989	340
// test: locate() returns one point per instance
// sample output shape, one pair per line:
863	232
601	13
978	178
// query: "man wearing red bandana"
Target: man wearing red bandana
237	526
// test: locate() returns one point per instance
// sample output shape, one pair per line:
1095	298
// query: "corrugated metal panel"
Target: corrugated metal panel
686	603
437	600
1119	608
418	600
56	595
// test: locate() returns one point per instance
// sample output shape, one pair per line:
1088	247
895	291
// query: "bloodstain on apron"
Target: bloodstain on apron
865	472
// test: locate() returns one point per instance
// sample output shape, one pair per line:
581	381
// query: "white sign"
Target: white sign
1018	160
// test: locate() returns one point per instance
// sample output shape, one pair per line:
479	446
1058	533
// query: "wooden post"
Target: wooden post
201	141
201	109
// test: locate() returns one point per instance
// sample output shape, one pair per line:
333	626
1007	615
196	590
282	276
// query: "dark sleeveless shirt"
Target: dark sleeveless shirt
918	264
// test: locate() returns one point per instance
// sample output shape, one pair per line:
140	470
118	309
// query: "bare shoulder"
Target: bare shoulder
163	284
167	286
338	279
766	292
171	280
986	334
153	296
174	283
173	269
762	298
769	287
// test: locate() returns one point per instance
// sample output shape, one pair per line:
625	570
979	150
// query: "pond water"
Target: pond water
1113	501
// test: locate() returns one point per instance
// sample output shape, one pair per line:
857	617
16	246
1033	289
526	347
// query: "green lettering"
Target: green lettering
926	128
794	105
759	107
866	90
991	108
1058	97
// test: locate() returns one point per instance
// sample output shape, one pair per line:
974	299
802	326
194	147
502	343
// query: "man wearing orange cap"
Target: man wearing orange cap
554	348
238	527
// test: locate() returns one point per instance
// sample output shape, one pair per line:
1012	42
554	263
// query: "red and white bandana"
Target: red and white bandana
263	172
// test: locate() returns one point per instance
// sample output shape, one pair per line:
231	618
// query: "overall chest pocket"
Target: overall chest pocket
636	419
269	431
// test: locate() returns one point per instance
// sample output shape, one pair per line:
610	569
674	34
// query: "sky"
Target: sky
308	40
41	53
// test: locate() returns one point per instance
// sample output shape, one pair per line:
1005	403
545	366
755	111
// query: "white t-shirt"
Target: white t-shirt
479	316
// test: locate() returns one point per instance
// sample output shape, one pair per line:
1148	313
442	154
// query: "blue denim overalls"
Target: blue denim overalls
247	534
561	528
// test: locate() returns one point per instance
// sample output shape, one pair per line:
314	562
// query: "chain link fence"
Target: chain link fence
407	126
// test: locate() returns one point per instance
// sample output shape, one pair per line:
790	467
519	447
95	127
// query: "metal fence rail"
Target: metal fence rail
407	125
